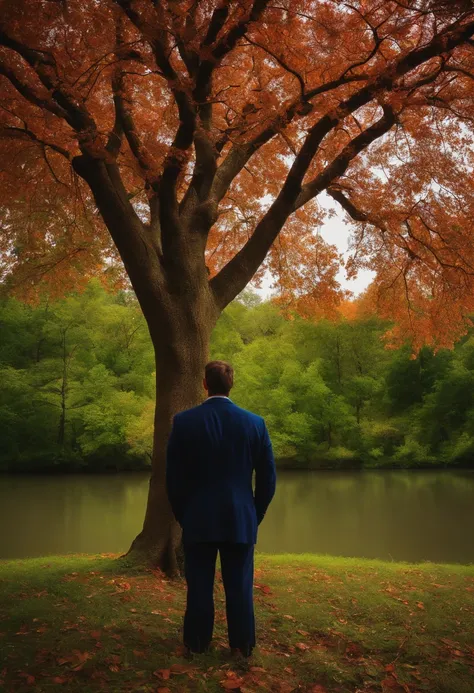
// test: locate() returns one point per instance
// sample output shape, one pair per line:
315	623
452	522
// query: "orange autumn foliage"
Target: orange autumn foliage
252	108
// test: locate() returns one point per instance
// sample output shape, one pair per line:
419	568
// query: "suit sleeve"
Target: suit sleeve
265	476
175	471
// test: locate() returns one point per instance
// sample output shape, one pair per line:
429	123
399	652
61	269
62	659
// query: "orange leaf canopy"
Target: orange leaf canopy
255	108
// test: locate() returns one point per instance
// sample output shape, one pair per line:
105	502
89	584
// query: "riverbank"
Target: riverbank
94	623
319	464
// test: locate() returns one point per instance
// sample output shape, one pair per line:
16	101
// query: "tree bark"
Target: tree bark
181	352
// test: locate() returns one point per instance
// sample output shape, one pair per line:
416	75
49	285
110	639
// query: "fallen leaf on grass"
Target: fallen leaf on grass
302	646
391	684
182	668
447	641
163	689
286	687
76	658
59	679
232	684
265	588
30	680
162	674
353	650
317	688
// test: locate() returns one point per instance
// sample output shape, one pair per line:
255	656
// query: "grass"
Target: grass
95	623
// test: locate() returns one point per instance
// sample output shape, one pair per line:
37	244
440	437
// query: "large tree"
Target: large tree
199	133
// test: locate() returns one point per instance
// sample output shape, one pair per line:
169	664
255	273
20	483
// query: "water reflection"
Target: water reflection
401	515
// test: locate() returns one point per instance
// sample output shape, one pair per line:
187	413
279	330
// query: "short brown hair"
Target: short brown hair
219	377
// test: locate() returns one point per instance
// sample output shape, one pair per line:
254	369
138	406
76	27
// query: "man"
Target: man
213	450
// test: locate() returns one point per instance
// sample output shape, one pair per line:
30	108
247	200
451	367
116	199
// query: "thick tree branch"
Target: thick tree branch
138	255
339	165
27	134
206	151
237	273
350	208
239	155
74	112
176	158
126	124
229	40
43	102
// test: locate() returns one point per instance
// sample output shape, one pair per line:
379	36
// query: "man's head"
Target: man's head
218	378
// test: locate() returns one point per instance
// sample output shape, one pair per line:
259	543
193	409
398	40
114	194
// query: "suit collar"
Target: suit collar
217	399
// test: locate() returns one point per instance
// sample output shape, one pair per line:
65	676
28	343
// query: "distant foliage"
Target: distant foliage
77	379
78	387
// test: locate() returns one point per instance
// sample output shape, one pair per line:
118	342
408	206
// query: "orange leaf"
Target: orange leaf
29	678
302	646
232	684
162	673
286	687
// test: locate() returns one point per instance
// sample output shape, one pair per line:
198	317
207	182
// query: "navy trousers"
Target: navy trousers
237	576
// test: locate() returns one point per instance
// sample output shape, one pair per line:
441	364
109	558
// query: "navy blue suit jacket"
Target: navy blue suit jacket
212	452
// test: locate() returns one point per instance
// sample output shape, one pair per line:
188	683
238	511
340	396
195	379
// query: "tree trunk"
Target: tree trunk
169	276
181	352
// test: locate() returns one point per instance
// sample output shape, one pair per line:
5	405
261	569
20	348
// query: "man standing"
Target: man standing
212	452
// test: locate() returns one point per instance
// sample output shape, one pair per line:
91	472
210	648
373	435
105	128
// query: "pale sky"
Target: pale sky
336	232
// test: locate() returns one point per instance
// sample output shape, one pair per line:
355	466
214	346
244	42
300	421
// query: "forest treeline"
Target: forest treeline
77	387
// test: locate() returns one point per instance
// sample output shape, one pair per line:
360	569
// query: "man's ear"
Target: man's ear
204	384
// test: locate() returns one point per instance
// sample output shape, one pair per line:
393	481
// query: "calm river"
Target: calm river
397	515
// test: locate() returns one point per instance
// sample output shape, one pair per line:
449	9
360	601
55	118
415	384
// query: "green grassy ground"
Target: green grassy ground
93	623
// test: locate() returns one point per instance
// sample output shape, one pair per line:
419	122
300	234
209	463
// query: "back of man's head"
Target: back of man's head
218	378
